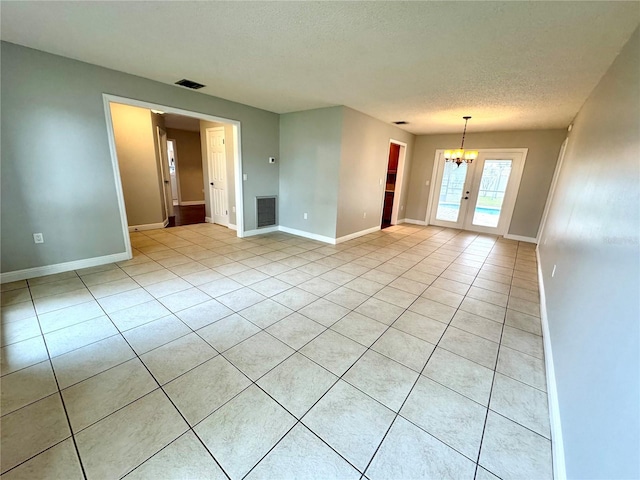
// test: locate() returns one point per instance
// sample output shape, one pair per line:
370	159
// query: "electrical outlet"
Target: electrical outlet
427	183
380	181
233	209
244	176
401	207
364	215
272	159
38	238
305	215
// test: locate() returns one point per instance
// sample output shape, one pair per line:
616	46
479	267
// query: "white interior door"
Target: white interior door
164	171
480	196
173	171
217	165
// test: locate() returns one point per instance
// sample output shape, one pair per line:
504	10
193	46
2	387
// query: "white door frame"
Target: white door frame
164	173
552	190
237	157
210	180
175	160
402	155
508	207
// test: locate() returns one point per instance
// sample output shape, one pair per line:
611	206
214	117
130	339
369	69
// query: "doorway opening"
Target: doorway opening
479	196
393	183
160	161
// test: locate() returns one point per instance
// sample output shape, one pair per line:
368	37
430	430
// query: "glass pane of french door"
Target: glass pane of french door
451	190
491	192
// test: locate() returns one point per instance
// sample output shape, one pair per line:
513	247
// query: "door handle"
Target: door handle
466	198
211	184
166	181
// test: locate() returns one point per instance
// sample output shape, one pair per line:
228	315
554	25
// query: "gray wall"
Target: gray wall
543	145
135	147
231	179
310	143
591	235
364	160
57	176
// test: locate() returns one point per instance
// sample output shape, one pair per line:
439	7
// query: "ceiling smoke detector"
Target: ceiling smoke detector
189	84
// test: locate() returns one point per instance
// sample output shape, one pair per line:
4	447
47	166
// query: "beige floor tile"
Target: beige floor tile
402	455
300	454
155	334
56	302
32	429
228	332
95	398
511	451
350	422
447	415
359	328
254	420
80	364
185	458
22	354
76	336
457	373
265	313
258	354
60	461
296	330
122	441
138	315
14	332
123	300
420	326
404	348
26	386
66	317
382	378
17	311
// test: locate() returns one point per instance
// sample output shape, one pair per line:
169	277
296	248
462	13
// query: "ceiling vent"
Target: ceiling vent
401	122
189	84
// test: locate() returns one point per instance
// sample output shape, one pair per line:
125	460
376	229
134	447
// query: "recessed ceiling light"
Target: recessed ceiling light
189	84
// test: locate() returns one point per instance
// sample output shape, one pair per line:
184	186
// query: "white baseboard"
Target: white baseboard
191	202
62	267
520	238
148	226
557	445
232	226
351	236
260	231
208	220
309	235
415	222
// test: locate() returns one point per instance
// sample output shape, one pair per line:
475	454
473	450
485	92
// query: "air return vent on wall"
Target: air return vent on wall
189	84
266	211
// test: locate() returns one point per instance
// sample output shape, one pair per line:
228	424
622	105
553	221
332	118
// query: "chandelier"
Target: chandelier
460	156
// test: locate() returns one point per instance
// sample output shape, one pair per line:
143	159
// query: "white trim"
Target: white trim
207	220
191	202
397	194
116	176
260	231
557	444
552	188
177	177
149	226
415	222
520	238
63	267
209	131
312	236
202	116
351	236
231	226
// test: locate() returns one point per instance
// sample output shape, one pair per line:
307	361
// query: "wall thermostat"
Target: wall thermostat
272	159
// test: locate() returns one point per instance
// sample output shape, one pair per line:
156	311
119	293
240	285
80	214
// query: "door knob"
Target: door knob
166	181
211	184
466	198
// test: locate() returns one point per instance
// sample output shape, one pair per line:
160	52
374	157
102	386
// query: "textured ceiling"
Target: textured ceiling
511	65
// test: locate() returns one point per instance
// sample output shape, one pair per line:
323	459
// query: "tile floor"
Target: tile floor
414	352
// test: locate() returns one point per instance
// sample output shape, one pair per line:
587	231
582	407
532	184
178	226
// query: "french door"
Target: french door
479	196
